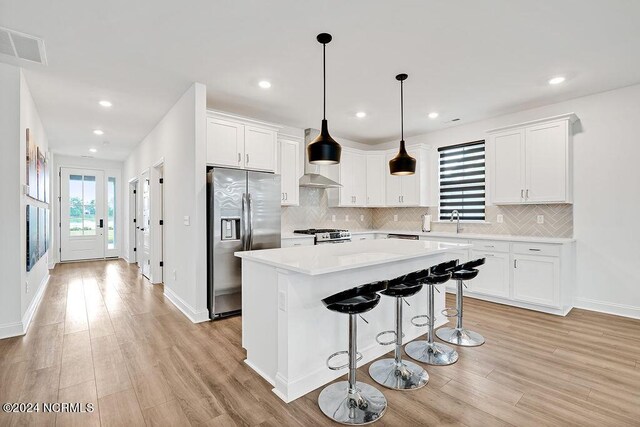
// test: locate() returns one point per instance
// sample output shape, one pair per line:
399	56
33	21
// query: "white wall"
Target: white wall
606	194
20	291
110	167
180	139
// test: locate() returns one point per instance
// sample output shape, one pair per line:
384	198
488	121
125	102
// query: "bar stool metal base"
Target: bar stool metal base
431	353
460	336
365	406
409	376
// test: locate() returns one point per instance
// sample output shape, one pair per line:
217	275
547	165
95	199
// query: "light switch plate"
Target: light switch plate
186	220
540	219
500	219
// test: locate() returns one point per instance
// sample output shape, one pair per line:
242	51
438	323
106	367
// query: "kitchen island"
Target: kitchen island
286	330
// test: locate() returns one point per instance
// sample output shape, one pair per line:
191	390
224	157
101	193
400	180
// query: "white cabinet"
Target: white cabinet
358	237
240	143
376	174
536	279
289	169
531	162
410	190
493	276
352	175
259	148
225	143
300	241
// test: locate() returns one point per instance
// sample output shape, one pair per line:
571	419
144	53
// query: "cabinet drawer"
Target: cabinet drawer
536	249
356	237
489	245
289	243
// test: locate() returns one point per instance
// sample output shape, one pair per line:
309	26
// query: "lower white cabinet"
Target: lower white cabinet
536	279
301	241
493	276
357	237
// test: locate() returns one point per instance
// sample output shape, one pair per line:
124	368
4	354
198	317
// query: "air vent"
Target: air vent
22	46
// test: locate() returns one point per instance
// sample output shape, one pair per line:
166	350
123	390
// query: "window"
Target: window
82	205
462	186
111	212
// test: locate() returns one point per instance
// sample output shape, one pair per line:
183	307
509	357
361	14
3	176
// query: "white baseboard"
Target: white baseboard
186	309
608	307
20	328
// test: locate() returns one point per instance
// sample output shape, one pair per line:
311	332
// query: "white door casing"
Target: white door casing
82	214
145	226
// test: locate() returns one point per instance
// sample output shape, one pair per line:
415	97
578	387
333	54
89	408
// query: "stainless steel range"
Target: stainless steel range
327	235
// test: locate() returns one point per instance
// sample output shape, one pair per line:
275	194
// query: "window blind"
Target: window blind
462	181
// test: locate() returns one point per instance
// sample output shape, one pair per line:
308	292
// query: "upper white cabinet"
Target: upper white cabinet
531	162
410	190
376	174
352	175
241	143
289	170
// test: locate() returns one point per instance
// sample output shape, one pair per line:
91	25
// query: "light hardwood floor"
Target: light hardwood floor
104	335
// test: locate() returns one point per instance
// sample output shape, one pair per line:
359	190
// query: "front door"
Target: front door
82	216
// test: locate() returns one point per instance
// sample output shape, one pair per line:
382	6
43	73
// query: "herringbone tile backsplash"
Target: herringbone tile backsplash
314	212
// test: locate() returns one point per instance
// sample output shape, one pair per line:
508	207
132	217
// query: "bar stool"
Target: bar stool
428	351
353	402
459	335
396	373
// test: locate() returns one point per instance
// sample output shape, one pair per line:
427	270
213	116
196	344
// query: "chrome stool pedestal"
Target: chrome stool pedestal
459	335
396	373
352	402
428	351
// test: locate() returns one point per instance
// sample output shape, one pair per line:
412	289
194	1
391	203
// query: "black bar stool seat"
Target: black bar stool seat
353	402
404	286
459	335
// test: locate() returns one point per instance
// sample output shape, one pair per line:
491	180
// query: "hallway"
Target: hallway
105	336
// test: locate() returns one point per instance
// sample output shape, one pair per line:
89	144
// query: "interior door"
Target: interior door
145	227
82	214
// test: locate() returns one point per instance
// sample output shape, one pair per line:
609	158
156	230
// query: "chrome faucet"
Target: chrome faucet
457	214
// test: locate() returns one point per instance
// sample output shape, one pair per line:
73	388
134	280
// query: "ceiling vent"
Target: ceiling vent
22	46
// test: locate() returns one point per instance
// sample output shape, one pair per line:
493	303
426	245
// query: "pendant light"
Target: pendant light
324	150
403	163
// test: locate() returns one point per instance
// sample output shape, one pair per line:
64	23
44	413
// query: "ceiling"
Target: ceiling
465	59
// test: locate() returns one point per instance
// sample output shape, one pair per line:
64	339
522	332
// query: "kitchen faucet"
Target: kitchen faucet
457	214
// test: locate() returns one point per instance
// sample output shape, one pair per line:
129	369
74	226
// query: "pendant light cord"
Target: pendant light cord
401	110
324	82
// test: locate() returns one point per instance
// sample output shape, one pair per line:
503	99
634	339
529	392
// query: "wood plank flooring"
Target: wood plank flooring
103	335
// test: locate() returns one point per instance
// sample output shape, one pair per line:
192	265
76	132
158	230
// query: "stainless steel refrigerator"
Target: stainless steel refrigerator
243	209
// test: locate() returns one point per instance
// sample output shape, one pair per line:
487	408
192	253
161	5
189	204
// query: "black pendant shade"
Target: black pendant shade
324	150
402	163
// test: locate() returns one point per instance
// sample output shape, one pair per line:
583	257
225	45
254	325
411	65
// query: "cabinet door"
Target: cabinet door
289	172
411	185
546	162
359	179
376	173
225	143
508	165
536	279
346	178
393	184
493	276
259	148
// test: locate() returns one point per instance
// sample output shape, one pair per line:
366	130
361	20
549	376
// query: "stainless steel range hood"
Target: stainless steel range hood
312	177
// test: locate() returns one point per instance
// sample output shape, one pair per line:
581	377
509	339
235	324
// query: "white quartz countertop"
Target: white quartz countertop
323	259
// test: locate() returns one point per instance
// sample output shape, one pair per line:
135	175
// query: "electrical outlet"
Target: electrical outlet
361	217
540	219
186	220
395	218
175	275
346	217
500	219
333	218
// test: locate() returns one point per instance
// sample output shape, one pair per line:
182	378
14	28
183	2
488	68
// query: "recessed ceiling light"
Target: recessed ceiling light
433	115
556	80
93	150
98	132
105	104
361	114
264	84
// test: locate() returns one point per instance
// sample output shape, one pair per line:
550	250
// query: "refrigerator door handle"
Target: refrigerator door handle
250	222
245	222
